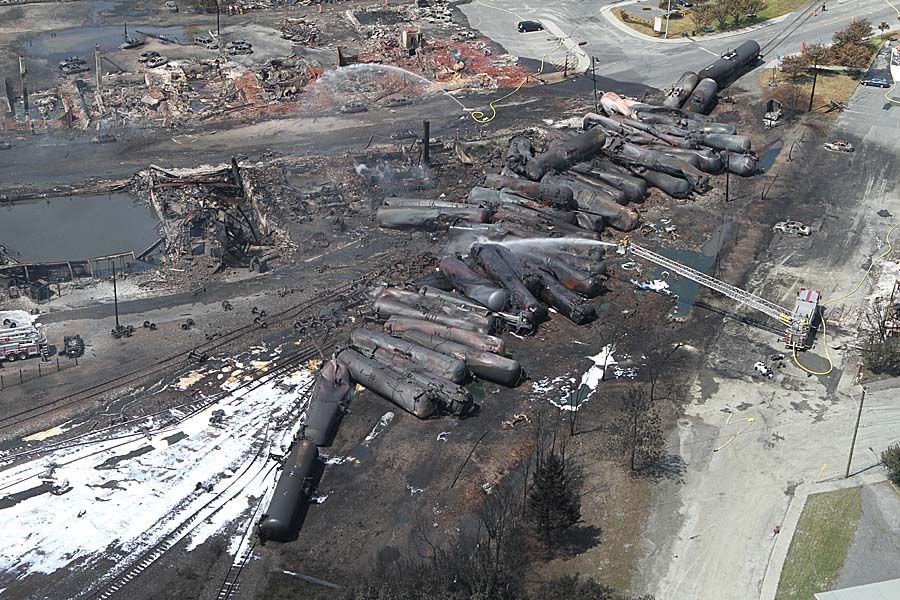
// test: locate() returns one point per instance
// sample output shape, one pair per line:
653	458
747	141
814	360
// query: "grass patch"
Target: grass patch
776	8
677	25
819	547
829	86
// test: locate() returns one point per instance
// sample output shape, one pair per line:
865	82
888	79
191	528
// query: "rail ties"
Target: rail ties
232	578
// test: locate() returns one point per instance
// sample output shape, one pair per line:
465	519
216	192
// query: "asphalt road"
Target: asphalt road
711	535
623	56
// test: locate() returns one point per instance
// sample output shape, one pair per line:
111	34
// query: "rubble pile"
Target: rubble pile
300	31
206	218
459	62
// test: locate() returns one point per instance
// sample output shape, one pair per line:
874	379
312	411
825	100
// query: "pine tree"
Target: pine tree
553	502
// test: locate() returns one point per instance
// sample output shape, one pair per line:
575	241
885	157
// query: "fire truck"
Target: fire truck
20	343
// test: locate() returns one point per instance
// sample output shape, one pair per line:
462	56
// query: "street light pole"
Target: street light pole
218	23
668	14
594	79
855	430
115	293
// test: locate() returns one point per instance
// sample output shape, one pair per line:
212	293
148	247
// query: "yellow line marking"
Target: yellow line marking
822	472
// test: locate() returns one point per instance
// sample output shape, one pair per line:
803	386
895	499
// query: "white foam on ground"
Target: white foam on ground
19	317
657	285
563	392
150	494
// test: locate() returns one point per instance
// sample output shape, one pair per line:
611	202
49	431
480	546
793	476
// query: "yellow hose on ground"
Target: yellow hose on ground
876	260
478	115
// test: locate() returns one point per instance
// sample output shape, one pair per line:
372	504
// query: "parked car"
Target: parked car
147	55
5	145
171	7
156	61
793	227
206	42
354	107
528	26
876	82
399	101
685	4
840	146
131	43
103	138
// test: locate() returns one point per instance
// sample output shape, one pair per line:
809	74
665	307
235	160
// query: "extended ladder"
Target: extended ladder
737	294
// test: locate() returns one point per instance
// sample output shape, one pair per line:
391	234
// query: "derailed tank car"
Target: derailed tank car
293	489
330	396
732	64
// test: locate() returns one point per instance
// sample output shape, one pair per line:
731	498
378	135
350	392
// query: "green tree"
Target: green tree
883	26
554	503
882	355
890	458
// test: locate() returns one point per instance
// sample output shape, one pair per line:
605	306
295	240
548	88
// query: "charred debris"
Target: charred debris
524	243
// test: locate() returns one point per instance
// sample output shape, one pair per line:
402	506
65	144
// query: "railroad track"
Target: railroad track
207	510
350	294
232	579
188	409
796	23
263	375
158	550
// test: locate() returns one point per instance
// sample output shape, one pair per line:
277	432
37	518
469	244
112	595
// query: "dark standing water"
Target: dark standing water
702	261
76	228
770	154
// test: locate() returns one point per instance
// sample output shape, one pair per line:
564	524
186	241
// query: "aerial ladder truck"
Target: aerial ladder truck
798	323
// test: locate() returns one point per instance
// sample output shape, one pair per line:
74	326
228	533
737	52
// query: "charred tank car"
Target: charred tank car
330	396
292	491
732	64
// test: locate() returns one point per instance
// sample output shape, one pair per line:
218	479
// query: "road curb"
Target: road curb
792	517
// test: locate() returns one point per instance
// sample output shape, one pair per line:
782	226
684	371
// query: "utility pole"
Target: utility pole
22	72
727	177
855	430
98	67
815	76
115	293
594	79
218	22
668	14
426	146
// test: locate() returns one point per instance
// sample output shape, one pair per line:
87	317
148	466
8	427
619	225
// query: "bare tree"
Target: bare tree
639	429
793	100
720	11
794	66
703	15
